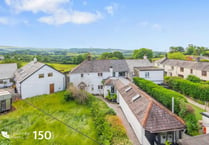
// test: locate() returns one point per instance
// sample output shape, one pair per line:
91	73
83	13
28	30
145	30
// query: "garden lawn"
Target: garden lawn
197	111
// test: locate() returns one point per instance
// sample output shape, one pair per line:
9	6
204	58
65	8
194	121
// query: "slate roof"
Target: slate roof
152	115
195	140
204	66
27	70
121	65
148	68
7	70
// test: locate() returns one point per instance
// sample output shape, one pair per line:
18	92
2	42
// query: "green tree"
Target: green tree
118	55
110	55
176	55
140	53
176	49
190	49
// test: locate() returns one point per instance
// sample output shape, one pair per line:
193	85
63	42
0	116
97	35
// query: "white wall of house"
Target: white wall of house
138	129
5	83
34	85
92	80
157	76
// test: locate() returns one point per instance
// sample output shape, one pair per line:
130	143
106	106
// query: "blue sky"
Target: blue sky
155	24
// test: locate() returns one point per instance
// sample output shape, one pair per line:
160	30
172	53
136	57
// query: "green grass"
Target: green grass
197	111
62	67
21	122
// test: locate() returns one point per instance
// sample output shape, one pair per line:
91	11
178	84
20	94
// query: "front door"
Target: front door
51	88
3	105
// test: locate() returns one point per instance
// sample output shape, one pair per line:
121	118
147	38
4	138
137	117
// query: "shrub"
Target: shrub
80	96
193	78
194	90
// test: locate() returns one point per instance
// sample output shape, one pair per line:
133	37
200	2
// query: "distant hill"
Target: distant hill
51	51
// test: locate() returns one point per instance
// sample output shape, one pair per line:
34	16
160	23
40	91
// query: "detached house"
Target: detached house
152	123
37	78
90	74
7	74
184	68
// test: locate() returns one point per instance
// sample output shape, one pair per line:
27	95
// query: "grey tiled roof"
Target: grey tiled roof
152	115
195	140
187	64
7	70
27	70
104	65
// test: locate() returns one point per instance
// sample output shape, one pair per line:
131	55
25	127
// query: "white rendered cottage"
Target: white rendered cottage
37	78
90	74
7	74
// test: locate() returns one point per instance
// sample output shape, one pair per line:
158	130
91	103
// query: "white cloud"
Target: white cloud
111	8
73	17
4	20
157	27
55	11
144	23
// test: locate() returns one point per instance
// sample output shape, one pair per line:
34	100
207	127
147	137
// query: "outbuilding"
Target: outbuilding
5	101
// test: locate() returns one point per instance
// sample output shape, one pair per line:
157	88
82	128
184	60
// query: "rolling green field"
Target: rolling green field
22	122
62	67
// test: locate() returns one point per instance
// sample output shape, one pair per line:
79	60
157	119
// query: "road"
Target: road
130	133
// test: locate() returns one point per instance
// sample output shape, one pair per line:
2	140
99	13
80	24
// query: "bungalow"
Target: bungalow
7	74
90	74
152	123
5	101
184	68
37	78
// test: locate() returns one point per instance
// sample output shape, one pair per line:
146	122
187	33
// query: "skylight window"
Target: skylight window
135	97
128	89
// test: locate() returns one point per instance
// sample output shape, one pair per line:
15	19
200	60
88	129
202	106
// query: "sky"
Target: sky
120	24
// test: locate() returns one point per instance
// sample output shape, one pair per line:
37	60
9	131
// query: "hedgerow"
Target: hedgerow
186	87
164	96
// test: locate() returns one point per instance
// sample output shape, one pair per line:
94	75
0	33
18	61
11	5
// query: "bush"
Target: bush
193	79
68	96
80	96
194	90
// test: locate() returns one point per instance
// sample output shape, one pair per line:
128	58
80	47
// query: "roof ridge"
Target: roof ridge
144	121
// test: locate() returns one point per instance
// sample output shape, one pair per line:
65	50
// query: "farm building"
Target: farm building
7	74
152	123
37	78
5	101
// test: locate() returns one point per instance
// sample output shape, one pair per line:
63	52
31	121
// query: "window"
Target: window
41	75
204	73
181	69
50	74
81	75
146	74
1	81
100	87
112	89
113	74
100	74
191	71
172	67
122	74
